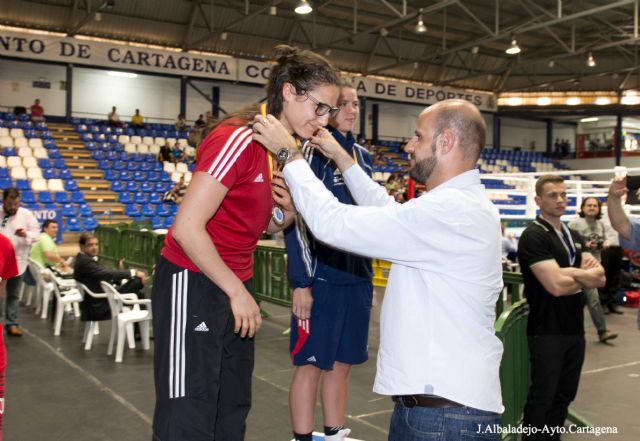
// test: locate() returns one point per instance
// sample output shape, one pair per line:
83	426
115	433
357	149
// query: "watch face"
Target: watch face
283	155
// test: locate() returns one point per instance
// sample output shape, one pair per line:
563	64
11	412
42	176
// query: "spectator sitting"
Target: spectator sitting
89	272
199	122
37	112
137	120
165	153
113	118
181	123
45	251
177	153
176	194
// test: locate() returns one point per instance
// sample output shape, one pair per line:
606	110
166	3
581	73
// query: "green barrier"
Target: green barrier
511	328
109	240
270	282
138	249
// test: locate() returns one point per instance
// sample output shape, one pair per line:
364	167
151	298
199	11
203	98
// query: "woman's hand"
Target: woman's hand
281	194
270	132
301	304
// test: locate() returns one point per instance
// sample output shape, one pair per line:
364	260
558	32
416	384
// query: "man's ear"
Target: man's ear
445	141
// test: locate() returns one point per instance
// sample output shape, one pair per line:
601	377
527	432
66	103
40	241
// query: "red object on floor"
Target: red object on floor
633	299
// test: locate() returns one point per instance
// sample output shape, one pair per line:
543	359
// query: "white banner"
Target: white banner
137	58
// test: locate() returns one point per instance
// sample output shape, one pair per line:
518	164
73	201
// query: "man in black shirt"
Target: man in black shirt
555	270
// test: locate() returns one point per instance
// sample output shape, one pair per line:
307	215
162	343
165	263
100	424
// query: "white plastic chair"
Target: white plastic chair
143	149
34	173
123	139
16	133
187	177
181	167
18	173
154	149
29	162
136	140
171	141
56	185
147	140
6	141
130	148
43	291
14	161
34	143
91	328
4	132
40	153
175	177
25	152
3	161
70	296
39	185
123	319
20	142
159	140
169	167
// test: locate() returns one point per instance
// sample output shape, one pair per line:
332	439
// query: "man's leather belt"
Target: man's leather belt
424	401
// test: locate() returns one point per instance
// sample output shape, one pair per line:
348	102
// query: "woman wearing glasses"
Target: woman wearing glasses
204	314
332	294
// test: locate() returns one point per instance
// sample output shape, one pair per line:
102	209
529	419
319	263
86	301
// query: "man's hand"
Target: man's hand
618	187
142	276
246	313
302	301
327	144
21	232
589	262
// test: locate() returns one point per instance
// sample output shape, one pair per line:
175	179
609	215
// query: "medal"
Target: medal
278	215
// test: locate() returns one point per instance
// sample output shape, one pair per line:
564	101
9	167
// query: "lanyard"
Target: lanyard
263	112
565	237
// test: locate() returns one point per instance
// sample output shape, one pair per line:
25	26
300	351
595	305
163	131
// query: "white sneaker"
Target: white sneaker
340	436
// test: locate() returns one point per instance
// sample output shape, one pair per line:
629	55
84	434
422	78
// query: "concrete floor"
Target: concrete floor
57	391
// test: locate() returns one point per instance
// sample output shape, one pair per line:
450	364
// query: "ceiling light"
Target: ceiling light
416	65
602	101
420	26
273	10
591	62
115	73
384	32
303	8
474	50
573	101
514	101
514	48
630	100
97	16
327	52
551	63
223	36
591	119
544	101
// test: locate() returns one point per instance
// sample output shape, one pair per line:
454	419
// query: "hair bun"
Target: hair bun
284	52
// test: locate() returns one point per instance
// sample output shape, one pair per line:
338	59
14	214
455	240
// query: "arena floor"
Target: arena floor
57	391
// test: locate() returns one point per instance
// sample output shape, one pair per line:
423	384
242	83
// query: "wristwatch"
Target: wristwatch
284	154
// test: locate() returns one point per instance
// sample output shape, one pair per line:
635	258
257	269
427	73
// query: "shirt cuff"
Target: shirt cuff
296	169
133	273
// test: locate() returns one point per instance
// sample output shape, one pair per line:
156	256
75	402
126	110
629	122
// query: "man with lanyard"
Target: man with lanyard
8	270
556	267
332	294
21	227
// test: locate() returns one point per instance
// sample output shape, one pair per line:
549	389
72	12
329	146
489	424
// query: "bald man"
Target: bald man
438	348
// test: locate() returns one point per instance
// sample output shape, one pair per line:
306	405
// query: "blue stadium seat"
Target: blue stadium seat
110	175
139	175
140	198
5	183
146	166
157	223
28	197
131	186
117	186
62	197
84	210
77	197
160	187
132	210
4	173
73	225
146	186
90	224
163	210
22	184
148	210
33	206
68	210
98	155
45	197
119	165
155	198
59	163
168	221
49	144
70	184
132	165
125	198
153	176
124	175
65	173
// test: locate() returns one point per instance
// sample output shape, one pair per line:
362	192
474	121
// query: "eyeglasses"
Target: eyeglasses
321	108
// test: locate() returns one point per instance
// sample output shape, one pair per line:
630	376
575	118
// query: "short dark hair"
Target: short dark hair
84	238
10	193
584	201
48	222
547	179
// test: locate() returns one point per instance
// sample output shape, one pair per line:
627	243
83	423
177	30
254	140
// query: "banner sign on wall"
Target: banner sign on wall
138	58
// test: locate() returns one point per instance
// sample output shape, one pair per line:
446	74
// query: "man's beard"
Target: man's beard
422	170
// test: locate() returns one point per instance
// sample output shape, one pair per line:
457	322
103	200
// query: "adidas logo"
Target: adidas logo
202	327
259	178
312	359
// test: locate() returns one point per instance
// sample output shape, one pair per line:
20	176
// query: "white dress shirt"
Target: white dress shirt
437	325
22	245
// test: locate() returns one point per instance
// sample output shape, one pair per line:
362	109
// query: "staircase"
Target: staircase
89	177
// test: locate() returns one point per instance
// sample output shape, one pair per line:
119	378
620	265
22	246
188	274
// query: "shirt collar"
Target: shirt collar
466	179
